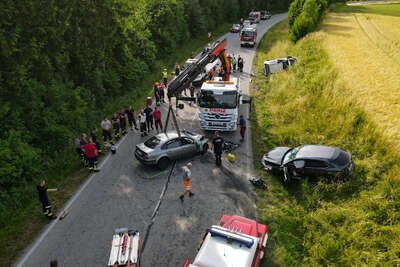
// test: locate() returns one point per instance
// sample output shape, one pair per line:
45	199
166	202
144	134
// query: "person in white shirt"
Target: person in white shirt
142	120
106	127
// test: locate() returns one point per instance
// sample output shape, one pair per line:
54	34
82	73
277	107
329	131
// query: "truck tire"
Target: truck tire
163	163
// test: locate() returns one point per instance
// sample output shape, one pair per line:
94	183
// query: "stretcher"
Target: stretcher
125	247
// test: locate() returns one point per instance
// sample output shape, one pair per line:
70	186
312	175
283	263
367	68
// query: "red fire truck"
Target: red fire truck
248	36
234	241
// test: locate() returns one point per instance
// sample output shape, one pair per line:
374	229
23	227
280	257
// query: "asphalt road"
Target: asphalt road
127	194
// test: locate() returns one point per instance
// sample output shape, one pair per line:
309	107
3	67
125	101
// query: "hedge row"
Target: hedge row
304	16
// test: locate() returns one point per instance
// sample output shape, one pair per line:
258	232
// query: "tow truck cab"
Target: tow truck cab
219	105
248	36
235	241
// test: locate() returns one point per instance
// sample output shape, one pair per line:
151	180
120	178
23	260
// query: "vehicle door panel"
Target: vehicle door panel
188	147
173	148
316	168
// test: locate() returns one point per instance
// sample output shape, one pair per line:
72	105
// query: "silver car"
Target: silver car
163	148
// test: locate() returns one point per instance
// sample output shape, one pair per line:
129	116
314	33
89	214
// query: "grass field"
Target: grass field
318	222
364	47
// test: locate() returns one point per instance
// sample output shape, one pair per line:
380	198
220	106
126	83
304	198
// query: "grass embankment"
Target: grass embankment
24	224
322	223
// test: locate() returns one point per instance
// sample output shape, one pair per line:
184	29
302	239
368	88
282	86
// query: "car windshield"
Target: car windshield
248	33
290	155
152	142
210	100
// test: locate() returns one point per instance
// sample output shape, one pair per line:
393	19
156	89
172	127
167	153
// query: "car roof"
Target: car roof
317	152
173	134
167	136
249	29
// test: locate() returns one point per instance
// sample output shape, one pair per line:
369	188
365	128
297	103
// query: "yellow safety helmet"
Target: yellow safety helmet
231	157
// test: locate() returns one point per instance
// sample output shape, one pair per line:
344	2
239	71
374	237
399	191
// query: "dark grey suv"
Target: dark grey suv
309	160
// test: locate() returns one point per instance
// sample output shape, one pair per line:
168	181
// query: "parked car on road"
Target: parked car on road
265	15
163	148
246	23
255	16
236	28
309	161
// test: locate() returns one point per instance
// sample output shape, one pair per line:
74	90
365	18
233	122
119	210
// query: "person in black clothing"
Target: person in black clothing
83	141
240	63
78	149
93	135
46	205
156	89
115	124
218	145
149	118
122	122
191	89
177	70
131	118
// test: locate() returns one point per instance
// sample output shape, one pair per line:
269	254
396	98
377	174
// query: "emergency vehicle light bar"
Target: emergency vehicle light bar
219	82
217	231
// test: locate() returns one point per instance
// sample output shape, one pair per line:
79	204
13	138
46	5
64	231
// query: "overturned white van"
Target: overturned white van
278	65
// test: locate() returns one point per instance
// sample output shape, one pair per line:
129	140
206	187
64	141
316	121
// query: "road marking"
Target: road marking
67	206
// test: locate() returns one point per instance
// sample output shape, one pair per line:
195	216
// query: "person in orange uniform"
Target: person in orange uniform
187	176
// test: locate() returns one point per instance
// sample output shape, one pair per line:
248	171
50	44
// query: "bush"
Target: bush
304	16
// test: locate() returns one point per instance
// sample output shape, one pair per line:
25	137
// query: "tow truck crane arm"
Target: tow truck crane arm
183	80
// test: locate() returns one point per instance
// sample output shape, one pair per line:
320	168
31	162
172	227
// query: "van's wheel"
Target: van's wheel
205	149
163	163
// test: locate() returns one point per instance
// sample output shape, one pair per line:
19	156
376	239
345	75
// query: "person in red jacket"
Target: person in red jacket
91	154
157	118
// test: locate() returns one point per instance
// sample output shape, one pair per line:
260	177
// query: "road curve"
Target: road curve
126	194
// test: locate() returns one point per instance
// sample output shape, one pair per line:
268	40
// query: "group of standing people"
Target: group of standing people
150	119
159	92
236	63
88	149
117	126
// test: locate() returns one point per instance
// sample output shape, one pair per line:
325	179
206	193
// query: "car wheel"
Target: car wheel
163	163
205	149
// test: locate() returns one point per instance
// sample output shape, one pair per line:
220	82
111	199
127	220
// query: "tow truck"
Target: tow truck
234	241
219	98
